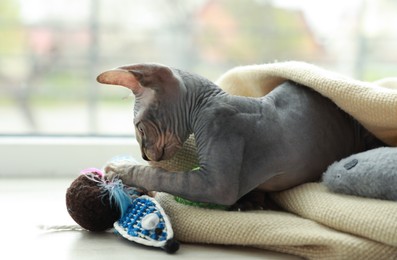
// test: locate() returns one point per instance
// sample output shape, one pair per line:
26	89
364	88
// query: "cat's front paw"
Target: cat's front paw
118	168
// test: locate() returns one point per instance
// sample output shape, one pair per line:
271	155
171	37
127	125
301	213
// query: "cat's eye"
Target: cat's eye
140	129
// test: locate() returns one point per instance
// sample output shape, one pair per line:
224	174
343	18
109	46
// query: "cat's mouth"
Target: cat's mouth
145	157
154	154
164	153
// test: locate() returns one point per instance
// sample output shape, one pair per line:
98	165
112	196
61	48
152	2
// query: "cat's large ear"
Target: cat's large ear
126	78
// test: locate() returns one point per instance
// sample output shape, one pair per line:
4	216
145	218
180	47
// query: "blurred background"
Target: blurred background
52	51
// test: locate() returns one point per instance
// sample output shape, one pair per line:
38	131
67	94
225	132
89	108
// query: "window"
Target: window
51	52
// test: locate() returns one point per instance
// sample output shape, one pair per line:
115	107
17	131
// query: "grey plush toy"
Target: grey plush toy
371	174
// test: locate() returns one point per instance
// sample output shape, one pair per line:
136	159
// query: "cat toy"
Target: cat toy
98	204
371	174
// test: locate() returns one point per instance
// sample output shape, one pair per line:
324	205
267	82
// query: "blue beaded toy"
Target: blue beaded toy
145	222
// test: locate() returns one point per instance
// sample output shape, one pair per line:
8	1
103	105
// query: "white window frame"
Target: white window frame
32	156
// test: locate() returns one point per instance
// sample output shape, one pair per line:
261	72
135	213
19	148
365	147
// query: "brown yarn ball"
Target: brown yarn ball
89	206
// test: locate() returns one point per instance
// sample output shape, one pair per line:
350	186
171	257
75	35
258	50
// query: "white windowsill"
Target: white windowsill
60	156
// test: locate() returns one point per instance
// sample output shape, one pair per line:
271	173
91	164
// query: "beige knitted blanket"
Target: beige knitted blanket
316	224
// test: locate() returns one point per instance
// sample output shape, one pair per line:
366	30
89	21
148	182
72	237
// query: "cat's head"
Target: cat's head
159	117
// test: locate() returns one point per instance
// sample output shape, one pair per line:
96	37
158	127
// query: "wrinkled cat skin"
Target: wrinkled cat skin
281	140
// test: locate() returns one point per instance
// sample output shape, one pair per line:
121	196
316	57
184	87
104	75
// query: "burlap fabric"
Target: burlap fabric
316	224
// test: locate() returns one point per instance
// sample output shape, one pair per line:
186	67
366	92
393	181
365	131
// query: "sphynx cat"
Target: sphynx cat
286	138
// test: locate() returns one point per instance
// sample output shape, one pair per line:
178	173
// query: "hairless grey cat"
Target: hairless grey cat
272	143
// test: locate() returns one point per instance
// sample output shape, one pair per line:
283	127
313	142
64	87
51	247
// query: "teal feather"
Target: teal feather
120	195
